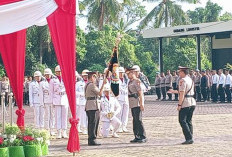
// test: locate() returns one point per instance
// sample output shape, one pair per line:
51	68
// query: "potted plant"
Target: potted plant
12	131
15	147
4	152
45	141
32	147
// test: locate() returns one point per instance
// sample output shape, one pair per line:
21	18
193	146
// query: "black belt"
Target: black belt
133	96
92	98
189	96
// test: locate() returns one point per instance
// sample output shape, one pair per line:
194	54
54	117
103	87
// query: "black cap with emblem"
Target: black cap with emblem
184	69
130	69
91	73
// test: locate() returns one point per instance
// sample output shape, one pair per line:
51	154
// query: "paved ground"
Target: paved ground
212	134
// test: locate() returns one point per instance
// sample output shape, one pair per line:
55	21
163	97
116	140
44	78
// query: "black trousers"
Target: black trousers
209	93
221	93
163	90
228	93
158	92
214	93
93	122
204	93
198	93
138	128
185	120
174	85
6	99
169	94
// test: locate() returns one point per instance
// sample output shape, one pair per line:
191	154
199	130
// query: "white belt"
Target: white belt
61	93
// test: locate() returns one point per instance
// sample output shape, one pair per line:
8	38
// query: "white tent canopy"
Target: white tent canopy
23	14
188	30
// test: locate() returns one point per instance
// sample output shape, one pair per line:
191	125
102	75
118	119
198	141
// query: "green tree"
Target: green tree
226	17
167	12
39	49
102	12
99	45
80	47
210	13
180	51
131	13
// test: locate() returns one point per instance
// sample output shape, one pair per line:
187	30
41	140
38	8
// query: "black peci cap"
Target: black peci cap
130	69
182	68
91	73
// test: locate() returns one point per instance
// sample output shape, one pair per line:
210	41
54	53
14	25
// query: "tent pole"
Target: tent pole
161	55
199	52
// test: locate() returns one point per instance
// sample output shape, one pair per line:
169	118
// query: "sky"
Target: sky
225	4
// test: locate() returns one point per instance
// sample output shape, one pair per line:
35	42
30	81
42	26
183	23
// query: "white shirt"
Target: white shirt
215	79
58	92
80	93
44	89
229	80
222	80
34	95
107	106
123	90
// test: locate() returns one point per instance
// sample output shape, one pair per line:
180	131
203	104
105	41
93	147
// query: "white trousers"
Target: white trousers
124	114
81	115
61	114
115	122
39	116
49	116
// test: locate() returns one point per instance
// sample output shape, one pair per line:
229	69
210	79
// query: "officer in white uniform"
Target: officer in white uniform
123	100
60	101
84	75
109	114
46	100
80	102
35	100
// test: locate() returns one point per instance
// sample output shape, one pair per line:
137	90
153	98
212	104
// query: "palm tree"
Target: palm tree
102	12
167	12
130	14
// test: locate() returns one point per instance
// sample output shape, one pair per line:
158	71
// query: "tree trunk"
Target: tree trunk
166	15
41	52
40	45
101	20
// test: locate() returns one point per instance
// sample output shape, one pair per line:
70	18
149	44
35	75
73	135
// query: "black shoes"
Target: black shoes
134	140
138	140
93	143
188	142
142	141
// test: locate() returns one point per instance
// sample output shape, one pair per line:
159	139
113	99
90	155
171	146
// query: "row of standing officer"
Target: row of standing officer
164	83
48	97
210	85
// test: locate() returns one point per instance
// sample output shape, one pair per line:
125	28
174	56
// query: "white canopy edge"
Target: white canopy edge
188	30
21	15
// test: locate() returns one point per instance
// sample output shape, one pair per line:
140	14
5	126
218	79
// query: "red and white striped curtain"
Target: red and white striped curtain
62	25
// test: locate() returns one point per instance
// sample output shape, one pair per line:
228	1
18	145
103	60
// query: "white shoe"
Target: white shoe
52	133
59	136
64	134
115	135
79	130
120	130
124	129
85	132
